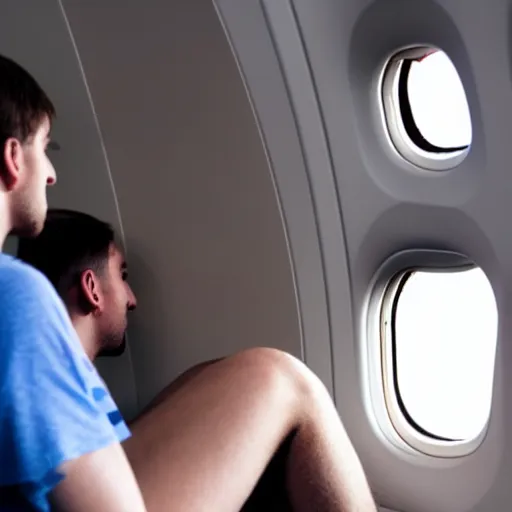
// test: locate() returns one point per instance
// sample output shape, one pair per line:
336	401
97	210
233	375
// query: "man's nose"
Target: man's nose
132	301
52	178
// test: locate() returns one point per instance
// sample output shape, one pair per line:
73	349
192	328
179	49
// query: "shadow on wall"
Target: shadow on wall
147	288
11	245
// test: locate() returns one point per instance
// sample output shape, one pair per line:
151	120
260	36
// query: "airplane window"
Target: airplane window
426	109
438	102
444	340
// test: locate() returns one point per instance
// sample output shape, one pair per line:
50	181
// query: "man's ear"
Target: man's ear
12	163
90	292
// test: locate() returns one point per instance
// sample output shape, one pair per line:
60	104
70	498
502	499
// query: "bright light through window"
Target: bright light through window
425	108
438	101
440	327
445	329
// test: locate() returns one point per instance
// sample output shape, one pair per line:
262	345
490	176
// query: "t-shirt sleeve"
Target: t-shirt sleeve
50	394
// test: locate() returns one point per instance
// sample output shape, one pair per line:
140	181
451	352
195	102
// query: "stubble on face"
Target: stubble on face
29	203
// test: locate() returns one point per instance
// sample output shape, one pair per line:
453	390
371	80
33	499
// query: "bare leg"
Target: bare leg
206	445
270	493
176	384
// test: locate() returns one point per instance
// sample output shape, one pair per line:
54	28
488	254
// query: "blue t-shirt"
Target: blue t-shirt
54	406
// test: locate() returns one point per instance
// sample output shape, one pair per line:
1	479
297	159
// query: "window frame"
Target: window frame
387	408
399	120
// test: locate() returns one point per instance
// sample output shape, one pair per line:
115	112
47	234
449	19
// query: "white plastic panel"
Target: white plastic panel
338	49
254	45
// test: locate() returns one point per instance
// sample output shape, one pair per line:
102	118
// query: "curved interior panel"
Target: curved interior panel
370	204
206	247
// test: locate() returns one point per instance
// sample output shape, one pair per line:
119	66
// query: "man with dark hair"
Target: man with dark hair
205	442
58	444
25	116
76	265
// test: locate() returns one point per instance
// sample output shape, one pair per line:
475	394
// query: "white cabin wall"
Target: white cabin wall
368	203
206	246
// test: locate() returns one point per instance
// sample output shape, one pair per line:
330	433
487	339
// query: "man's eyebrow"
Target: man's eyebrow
124	266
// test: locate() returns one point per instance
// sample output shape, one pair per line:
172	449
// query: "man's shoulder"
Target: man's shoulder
29	304
21	281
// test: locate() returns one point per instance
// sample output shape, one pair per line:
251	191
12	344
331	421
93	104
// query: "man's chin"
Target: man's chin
28	230
114	351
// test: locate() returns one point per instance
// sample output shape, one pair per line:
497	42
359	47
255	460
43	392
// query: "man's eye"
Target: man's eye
125	276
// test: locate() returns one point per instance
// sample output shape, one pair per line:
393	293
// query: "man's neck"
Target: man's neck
86	331
5	221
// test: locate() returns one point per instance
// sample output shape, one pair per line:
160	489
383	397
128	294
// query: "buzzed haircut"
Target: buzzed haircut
23	103
70	243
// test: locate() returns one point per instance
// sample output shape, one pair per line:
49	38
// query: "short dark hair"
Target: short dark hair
23	103
70	243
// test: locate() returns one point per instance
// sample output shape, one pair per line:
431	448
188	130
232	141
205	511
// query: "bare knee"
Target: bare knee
269	374
267	364
276	365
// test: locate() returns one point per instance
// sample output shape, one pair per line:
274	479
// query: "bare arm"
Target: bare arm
102	481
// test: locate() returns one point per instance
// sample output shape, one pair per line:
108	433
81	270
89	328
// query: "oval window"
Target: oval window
444	330
426	109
